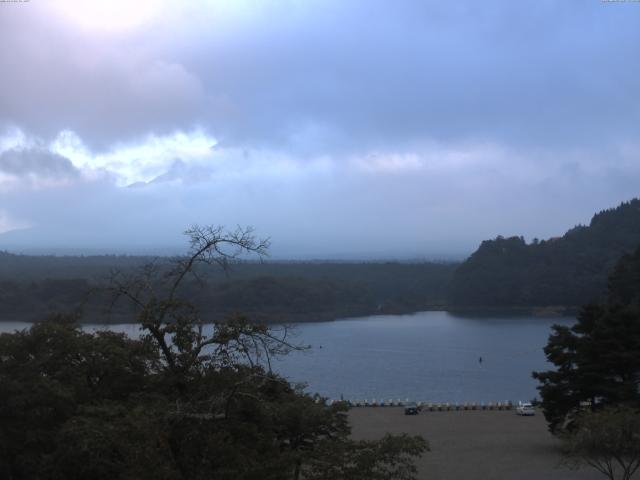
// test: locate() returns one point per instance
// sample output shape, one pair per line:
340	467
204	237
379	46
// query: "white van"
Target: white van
525	409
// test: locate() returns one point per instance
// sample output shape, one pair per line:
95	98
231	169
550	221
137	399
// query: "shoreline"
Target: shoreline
285	319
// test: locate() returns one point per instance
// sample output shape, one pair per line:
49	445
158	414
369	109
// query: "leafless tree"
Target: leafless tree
176	326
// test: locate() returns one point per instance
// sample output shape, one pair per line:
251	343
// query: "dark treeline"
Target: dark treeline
565	271
570	270
31	286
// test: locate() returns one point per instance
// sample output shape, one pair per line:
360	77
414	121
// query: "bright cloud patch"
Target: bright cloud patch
106	14
139	162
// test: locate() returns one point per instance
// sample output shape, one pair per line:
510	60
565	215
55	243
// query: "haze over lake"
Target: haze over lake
427	356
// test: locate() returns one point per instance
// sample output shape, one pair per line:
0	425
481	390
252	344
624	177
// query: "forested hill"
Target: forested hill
569	270
33	286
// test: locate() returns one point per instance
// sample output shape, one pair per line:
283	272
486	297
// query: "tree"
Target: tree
174	325
182	401
390	458
597	361
608	440
54	378
624	281
570	270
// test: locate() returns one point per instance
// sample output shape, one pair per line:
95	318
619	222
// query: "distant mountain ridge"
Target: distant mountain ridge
570	270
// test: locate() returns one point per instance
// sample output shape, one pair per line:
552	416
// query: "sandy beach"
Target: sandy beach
474	445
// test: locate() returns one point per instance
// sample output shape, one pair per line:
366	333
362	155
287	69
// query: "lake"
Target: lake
426	356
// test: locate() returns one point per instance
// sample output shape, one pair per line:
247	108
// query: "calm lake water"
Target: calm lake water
427	356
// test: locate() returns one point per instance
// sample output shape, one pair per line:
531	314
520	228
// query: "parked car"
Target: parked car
411	408
525	409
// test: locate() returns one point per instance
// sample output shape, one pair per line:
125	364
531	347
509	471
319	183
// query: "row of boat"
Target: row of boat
432	407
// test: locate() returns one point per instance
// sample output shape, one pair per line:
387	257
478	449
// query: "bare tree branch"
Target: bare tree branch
175	325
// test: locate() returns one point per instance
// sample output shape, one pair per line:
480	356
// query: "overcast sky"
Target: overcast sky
339	128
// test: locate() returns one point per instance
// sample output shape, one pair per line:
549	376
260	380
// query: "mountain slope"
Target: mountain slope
570	270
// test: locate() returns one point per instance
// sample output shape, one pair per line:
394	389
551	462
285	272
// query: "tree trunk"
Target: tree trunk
297	470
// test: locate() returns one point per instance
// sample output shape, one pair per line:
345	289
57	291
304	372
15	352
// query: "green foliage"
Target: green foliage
624	282
48	374
608	440
570	270
98	405
176	403
597	361
390	458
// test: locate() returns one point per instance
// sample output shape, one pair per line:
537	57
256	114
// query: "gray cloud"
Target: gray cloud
37	163
365	127
108	91
330	213
317	76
